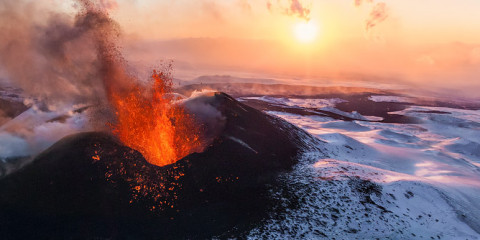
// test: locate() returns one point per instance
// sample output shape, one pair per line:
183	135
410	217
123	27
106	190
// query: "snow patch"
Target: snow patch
428	174
242	143
398	99
35	130
314	103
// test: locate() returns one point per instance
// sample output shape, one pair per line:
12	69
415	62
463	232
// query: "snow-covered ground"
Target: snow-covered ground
376	180
297	102
327	105
370	179
380	98
35	129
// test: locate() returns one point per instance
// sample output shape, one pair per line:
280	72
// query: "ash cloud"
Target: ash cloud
60	61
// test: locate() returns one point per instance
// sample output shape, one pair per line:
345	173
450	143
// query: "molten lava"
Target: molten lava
148	121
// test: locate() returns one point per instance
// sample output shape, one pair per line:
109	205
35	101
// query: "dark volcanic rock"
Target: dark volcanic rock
90	186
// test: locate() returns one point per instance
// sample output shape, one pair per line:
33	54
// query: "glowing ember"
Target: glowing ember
148	122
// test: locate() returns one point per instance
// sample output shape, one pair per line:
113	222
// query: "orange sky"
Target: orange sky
424	20
425	43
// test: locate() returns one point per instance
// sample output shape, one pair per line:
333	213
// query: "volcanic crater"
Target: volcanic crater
90	185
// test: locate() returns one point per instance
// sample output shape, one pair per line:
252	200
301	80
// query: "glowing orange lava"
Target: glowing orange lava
148	122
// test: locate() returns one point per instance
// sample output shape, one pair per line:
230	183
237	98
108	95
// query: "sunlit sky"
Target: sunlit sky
425	20
422	42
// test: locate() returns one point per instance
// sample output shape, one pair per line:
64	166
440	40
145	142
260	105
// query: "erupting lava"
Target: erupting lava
150	123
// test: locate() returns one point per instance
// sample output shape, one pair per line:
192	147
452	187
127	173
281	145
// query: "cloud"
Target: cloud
35	130
425	60
12	146
269	6
475	56
358	3
297	9
212	9
108	4
377	15
294	8
245	5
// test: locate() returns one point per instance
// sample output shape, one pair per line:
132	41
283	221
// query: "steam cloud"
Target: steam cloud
201	105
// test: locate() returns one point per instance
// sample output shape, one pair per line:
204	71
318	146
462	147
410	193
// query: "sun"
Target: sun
305	32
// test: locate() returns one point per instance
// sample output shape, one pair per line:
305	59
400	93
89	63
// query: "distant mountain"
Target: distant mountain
239	89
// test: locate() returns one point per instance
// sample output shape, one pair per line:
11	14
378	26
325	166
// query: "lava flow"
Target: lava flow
148	121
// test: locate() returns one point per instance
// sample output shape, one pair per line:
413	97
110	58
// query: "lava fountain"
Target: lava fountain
148	121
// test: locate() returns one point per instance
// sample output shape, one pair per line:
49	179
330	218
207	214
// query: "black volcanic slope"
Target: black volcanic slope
90	186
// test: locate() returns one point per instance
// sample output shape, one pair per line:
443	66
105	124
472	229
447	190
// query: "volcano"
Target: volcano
89	185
